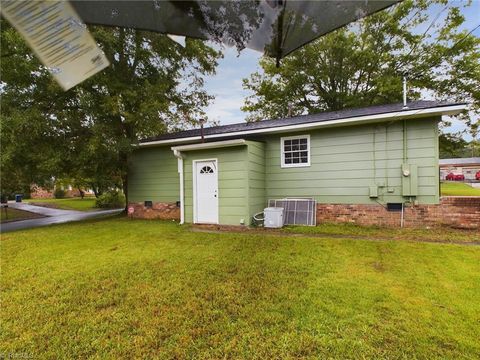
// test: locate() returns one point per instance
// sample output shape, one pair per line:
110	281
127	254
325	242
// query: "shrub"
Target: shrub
110	200
59	193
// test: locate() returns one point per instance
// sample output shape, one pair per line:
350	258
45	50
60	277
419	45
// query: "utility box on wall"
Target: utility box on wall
409	180
373	192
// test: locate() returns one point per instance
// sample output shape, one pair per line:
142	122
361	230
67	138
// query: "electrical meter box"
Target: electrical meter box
409	180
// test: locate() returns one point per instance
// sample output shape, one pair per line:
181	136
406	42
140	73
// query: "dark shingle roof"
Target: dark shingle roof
460	161
303	119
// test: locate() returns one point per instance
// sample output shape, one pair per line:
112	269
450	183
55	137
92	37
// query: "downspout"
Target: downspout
402	219
179	157
405	160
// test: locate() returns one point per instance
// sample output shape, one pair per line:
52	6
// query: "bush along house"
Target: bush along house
377	165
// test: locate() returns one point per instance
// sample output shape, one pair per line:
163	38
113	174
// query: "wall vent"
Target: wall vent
394	206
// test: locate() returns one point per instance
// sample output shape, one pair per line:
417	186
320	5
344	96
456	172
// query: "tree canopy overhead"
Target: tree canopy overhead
364	64
152	85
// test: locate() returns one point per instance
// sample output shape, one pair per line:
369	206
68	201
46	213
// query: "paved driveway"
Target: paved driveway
52	216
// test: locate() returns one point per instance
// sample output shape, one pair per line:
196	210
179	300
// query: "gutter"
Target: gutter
212	145
179	157
398	115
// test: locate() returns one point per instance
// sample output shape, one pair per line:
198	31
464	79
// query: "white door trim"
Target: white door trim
194	188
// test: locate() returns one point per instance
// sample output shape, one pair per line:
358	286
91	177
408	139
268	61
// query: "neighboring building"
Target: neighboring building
352	162
38	192
467	167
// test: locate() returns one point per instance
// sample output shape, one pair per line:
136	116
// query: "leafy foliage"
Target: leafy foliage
454	146
364	64
87	133
59	193
110	200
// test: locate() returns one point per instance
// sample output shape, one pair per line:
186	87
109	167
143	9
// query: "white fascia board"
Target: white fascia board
212	145
398	115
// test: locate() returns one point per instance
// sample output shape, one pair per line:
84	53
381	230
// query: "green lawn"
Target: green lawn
85	204
15	214
124	289
440	234
450	188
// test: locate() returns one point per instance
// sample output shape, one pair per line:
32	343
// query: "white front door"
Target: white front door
205	184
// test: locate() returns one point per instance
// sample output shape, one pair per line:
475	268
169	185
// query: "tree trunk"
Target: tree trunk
96	190
125	191
81	192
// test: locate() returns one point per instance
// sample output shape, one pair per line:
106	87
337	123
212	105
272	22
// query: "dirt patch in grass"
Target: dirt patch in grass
356	232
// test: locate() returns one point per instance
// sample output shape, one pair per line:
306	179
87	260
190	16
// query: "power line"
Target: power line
423	35
450	49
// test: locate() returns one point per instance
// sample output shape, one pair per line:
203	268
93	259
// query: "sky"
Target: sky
229	94
226	85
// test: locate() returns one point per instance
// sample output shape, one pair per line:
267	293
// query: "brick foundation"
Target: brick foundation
457	212
164	211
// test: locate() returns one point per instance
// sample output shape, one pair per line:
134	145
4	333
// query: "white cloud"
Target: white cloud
226	109
227	87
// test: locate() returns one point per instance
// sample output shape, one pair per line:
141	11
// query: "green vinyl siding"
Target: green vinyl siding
345	161
153	175
232	182
256	178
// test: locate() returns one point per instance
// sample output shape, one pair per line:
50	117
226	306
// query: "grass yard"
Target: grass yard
85	204
451	188
122	289
439	234
15	214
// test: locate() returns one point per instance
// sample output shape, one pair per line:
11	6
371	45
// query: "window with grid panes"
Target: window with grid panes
295	151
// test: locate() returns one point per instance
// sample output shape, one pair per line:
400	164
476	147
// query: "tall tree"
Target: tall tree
364	63
150	86
452	146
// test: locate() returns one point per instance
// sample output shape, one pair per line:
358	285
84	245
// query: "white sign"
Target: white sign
58	36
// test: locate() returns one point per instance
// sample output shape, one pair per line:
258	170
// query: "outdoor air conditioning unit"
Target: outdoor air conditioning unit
273	217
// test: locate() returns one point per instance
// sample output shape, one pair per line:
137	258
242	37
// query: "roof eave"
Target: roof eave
210	145
448	110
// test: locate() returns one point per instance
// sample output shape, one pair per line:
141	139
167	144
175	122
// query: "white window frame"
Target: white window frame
282	151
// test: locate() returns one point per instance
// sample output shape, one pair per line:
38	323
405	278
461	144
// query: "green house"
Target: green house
378	155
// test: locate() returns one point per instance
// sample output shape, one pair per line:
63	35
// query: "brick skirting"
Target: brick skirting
164	211
457	212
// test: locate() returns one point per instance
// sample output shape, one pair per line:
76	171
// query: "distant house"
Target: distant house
371	156
38	192
467	167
